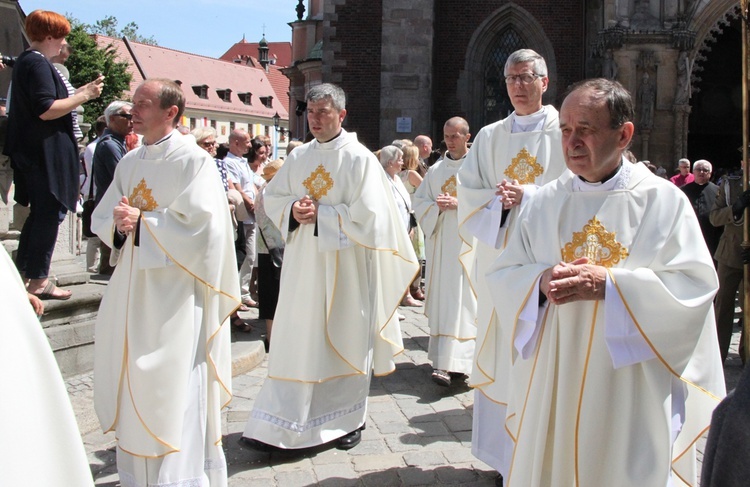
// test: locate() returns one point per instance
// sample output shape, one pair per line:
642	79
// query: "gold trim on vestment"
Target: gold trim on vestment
138	455
595	243
490	378
449	186
141	197
441	335
524	168
318	183
583	386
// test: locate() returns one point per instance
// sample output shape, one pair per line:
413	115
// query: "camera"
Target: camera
8	60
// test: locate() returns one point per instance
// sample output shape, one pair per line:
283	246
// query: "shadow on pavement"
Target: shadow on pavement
409	475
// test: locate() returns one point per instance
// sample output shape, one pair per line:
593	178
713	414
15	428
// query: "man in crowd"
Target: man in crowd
507	162
88	189
242	176
451	307
729	212
424	144
109	150
608	306
347	263
684	176
162	366
702	194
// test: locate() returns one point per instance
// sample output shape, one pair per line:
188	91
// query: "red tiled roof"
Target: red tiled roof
282	51
194	70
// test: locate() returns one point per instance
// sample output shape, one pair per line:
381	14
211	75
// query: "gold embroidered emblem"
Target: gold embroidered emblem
319	183
449	186
596	243
141	198
524	168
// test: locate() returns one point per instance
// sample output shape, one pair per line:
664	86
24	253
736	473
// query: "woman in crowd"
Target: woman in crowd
270	255
391	158
411	179
42	147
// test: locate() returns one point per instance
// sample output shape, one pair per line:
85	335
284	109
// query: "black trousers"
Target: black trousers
39	233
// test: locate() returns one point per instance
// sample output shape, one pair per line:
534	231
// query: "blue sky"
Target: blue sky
207	27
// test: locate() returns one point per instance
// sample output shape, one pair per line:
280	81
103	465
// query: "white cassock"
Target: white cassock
450	305
40	444
336	318
613	392
527	149
162	369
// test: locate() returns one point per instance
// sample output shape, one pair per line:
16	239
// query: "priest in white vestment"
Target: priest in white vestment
40	444
507	162
450	305
347	263
162	368
609	307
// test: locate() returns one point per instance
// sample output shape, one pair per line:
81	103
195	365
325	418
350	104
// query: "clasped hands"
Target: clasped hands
511	193
305	210
126	216
446	202
573	281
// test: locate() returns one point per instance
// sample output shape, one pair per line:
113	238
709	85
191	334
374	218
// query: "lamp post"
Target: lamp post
276	120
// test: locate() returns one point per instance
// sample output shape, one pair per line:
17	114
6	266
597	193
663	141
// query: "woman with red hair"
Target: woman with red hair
42	147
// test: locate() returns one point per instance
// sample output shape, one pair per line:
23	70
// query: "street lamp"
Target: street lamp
276	120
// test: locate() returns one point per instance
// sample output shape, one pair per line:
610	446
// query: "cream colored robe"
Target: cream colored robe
451	306
163	315
40	443
533	158
336	318
601	389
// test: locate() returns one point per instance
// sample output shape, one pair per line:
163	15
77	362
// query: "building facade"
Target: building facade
409	65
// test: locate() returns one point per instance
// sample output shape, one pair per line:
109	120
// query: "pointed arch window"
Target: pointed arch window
496	101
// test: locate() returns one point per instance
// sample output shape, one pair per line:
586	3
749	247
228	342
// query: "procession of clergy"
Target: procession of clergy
570	286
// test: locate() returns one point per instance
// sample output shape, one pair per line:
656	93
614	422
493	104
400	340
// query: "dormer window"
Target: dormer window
267	101
225	94
201	91
245	98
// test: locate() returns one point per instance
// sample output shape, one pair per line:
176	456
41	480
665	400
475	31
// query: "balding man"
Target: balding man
424	144
702	194
450	306
163	365
608	307
507	162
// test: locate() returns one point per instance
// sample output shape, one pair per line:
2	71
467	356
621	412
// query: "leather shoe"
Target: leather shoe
499	480
350	440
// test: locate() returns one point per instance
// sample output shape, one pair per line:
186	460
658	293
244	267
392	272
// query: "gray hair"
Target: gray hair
703	162
527	56
327	90
389	154
686	161
114	108
202	133
615	96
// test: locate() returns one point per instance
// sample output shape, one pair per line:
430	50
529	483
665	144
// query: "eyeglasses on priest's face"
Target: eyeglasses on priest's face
126	116
524	78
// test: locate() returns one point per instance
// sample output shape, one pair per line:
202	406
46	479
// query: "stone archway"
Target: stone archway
715	123
471	83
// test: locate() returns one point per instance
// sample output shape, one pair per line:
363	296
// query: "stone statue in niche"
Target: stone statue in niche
609	66
683	90
646	99
642	18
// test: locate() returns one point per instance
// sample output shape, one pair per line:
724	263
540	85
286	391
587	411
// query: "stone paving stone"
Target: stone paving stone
441	443
404	443
331	457
336	475
436	428
457	454
448	405
295	477
381	479
395	428
375	446
424	458
411	476
456	474
378	462
458	423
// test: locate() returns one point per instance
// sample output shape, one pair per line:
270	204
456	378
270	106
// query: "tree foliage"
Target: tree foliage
108	27
85	64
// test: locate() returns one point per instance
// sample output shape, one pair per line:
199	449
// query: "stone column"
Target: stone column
681	114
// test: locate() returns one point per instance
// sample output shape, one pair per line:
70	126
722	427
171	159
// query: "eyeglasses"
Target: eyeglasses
126	116
208	143
702	169
524	78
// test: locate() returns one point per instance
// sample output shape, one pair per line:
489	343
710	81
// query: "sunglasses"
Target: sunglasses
126	116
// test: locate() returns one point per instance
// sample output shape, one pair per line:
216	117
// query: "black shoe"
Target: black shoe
257	445
350	440
499	480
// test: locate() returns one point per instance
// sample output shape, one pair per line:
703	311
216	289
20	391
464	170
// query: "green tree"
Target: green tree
85	64
108	27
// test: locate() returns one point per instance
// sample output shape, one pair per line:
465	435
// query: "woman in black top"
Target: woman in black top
43	148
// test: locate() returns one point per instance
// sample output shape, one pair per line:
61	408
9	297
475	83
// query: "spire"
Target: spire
263	51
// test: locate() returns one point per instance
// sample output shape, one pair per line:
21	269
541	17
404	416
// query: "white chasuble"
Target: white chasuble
40	442
450	304
580	414
342	281
160	325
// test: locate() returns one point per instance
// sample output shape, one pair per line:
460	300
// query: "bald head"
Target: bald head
424	144
456	135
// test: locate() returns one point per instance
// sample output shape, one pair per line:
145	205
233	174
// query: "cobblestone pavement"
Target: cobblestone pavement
418	434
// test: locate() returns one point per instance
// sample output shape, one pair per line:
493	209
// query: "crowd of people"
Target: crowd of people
565	283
